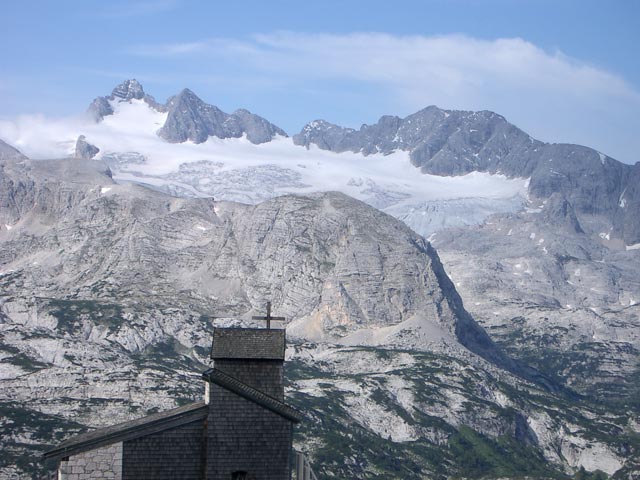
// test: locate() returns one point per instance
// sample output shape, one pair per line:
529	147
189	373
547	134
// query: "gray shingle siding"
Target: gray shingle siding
244	436
264	375
172	454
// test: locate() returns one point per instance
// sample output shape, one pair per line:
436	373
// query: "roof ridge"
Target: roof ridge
246	391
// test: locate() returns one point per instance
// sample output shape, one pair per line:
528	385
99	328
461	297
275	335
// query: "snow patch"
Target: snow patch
603	158
635	246
622	202
105	189
7	226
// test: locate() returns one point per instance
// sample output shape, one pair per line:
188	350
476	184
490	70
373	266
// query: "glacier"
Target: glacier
235	169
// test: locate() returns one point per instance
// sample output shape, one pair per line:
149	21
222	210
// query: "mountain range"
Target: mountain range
188	117
505	345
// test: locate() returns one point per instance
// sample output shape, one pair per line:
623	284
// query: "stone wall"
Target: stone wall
103	463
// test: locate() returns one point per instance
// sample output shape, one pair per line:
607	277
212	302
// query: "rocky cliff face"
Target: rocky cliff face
7	152
108	294
553	296
84	149
189	118
449	142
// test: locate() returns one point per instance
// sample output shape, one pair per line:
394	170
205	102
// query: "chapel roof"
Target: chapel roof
176	417
129	430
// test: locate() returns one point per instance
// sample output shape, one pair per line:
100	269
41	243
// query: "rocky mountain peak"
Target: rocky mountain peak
84	149
185	96
128	90
191	119
325	135
256	128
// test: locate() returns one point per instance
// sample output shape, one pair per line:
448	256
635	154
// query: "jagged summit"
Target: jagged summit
128	90
185	95
441	142
125	92
191	119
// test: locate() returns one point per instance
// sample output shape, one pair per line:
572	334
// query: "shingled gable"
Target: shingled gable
236	386
130	430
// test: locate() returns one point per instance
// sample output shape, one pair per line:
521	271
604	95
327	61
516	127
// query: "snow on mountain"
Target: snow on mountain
454	142
236	169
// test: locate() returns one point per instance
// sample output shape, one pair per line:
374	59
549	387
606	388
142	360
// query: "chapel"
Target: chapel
243	430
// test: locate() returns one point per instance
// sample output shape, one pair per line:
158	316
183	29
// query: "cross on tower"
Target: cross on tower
268	317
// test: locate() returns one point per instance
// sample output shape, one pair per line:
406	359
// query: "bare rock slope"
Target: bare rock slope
108	294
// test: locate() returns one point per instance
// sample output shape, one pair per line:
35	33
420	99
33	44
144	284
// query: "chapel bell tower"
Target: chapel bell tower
250	428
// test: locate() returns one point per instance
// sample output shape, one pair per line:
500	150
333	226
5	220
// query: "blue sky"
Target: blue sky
562	70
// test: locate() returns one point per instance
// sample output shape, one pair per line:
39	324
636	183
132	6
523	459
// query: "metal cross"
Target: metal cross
268	318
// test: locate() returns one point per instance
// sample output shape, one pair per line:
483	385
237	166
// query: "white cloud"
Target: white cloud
455	64
549	94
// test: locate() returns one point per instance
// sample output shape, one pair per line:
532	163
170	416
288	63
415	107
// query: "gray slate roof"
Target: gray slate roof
236	386
130	430
248	343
